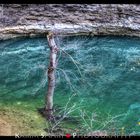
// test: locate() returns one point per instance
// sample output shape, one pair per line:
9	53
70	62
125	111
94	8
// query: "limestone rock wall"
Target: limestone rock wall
97	19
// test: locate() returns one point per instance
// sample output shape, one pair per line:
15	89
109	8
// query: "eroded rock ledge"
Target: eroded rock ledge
18	20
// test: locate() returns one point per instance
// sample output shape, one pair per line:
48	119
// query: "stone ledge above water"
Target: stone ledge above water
69	19
67	29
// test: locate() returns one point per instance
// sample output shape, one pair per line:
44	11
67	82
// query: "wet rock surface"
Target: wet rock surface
98	19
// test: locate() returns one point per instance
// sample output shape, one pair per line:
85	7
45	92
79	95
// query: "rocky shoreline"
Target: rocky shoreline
18	20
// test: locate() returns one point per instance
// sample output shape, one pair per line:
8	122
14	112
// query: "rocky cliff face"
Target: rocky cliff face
97	19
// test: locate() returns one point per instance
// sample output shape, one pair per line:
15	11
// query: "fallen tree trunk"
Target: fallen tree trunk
51	76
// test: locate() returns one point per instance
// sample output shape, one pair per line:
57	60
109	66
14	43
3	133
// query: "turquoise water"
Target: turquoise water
100	76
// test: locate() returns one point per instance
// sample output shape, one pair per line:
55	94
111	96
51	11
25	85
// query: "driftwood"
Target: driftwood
51	76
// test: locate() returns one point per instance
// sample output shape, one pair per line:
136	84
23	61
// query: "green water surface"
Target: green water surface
98	78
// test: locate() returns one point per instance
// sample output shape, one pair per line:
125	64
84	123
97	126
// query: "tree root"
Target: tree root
50	117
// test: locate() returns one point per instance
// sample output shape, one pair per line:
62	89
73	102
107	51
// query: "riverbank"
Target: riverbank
21	118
